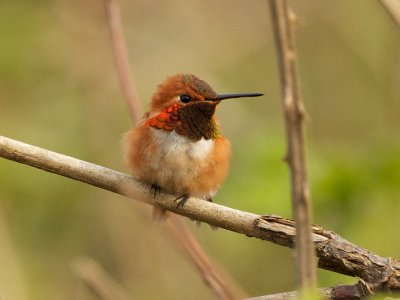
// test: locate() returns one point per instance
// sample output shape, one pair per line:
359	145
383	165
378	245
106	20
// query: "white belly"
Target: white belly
179	160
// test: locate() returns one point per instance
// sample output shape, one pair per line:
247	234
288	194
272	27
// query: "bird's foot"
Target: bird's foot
181	200
155	189
209	199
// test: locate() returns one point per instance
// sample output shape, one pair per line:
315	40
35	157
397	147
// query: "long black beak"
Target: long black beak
230	96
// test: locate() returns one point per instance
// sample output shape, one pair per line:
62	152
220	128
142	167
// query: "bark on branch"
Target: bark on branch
334	253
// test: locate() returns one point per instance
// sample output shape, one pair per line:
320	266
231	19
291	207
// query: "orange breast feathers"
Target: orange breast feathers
166	119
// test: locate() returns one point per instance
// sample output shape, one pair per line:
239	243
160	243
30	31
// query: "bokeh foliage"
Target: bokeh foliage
58	90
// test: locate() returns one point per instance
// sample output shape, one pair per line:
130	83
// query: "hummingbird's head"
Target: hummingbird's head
185	89
181	89
186	104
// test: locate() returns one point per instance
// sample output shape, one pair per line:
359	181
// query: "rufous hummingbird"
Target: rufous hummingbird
177	147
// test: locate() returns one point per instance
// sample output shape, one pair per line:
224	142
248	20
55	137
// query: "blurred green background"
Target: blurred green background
59	91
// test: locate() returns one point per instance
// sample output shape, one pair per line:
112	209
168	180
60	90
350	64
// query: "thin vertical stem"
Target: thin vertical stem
282	19
121	59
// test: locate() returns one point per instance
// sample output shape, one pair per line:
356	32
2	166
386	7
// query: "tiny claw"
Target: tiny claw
155	189
209	199
181	200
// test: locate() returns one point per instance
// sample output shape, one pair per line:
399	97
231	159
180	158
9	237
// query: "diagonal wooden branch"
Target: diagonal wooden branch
392	7
334	253
282	19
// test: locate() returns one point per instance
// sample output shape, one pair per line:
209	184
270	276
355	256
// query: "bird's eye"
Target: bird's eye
185	98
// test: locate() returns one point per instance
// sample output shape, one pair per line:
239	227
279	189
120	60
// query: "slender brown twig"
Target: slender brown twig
393	9
221	284
334	253
121	59
282	19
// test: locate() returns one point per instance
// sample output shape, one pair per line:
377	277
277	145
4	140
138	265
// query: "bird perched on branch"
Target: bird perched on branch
177	147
